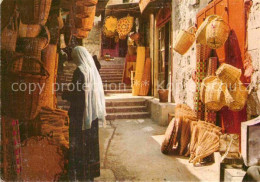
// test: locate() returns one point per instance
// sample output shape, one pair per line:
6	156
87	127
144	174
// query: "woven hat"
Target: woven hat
111	24
124	26
228	74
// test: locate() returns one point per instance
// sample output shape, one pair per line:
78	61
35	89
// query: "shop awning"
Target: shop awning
121	10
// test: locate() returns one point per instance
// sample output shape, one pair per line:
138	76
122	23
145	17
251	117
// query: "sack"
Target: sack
184	41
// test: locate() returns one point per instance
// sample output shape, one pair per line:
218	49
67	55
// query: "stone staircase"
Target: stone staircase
126	109
111	75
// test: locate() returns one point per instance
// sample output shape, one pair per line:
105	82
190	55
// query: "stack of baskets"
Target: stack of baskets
84	14
22	56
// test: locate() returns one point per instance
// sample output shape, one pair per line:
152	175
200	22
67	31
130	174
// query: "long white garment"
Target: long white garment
94	92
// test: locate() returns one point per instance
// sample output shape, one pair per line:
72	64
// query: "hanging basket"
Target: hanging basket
184	41
124	26
201	32
163	95
84	23
9	36
86	2
29	30
85	11
79	33
217	33
34	11
212	93
228	74
23	104
239	93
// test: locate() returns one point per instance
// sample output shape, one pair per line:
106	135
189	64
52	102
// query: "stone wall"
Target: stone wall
93	41
184	12
254	50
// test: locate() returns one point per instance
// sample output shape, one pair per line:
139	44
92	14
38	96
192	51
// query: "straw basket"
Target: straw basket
33	46
29	30
34	11
85	11
163	95
217	33
9	36
239	94
22	104
79	33
184	41
11	61
86	2
7	11
201	32
228	74
212	93
84	23
110	25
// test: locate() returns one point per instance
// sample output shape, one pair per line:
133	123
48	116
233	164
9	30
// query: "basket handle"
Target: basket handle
192	30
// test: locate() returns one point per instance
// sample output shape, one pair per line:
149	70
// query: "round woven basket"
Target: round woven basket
228	74
239	94
212	93
34	11
86	2
85	11
110	24
163	95
217	33
184	40
29	30
201	32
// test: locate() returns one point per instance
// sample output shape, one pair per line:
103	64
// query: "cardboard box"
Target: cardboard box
250	142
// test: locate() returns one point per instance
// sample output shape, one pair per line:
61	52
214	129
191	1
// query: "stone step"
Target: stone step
111	70
109	66
118	91
111	74
125	102
111	81
130	115
115	77
126	109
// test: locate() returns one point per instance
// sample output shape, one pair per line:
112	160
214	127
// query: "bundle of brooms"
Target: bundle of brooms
54	123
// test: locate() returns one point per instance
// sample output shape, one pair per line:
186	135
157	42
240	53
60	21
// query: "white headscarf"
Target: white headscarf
94	92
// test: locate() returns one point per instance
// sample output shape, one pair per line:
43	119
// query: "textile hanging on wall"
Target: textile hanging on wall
11	149
210	116
139	70
202	55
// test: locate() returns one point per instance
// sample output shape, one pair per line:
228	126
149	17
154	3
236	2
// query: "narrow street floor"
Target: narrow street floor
130	150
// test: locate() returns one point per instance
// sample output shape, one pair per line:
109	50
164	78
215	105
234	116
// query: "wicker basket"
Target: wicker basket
184	41
9	36
34	11
212	93
163	95
29	30
7	11
85	11
32	46
86	2
228	74
217	33
84	23
239	94
201	33
21	104
81	34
